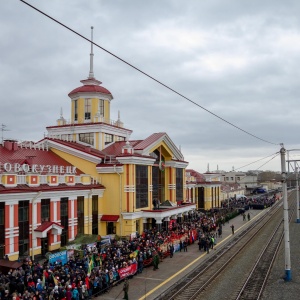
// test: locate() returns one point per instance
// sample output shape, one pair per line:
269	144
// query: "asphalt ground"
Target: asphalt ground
150	284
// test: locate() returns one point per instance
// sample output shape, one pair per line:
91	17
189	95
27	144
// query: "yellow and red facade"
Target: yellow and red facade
88	177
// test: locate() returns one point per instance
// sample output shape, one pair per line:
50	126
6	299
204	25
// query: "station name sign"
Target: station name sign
35	168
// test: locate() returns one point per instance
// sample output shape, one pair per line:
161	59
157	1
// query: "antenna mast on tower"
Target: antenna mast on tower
91	74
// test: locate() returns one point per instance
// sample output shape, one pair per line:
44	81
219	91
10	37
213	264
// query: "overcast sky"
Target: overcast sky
238	59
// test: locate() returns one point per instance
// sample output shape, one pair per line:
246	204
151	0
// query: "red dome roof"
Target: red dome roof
90	89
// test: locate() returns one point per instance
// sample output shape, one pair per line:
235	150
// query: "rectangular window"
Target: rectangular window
23	222
111	228
75	110
45	206
1	216
121	138
101	107
141	183
179	184
23	214
109	138
64	208
95	204
87	109
94	214
87	138
155	183
80	214
64	220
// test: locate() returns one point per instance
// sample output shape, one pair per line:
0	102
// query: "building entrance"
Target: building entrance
44	242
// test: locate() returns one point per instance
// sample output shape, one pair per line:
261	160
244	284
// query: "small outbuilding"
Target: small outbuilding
7	265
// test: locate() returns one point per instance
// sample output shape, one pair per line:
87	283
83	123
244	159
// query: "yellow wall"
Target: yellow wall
114	192
81	164
94	109
107	110
80	105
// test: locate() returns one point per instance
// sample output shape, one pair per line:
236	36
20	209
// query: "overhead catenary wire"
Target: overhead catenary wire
267	161
149	76
277	153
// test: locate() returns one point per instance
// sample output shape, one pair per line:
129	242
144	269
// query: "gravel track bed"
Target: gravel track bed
232	278
277	287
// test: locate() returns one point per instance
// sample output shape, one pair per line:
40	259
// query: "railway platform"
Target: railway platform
151	283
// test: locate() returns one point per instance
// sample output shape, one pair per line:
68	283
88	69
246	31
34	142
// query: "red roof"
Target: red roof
23	188
110	218
116	148
198	176
90	89
83	148
149	140
32	156
45	225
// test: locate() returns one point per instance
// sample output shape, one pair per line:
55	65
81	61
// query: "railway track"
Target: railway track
255	282
226	272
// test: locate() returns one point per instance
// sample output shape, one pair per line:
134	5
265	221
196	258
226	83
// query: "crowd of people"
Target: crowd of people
256	201
97	268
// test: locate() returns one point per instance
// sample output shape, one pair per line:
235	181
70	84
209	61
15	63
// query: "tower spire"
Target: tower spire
91	74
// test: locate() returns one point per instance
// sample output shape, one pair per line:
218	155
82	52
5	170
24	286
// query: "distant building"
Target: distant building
233	177
203	189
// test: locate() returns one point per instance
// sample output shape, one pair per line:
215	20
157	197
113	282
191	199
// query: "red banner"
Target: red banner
130	270
171	222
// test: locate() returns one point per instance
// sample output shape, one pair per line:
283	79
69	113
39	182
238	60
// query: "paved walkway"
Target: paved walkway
150	284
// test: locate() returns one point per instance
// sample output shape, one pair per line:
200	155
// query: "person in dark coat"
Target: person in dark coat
171	249
155	261
232	228
185	243
126	289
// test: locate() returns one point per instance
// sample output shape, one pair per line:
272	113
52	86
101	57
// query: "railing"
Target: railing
96	119
21	179
43	179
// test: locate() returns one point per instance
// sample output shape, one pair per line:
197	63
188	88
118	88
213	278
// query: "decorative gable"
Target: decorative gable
127	149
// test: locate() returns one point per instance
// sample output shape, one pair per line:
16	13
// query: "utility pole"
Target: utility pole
288	275
297	192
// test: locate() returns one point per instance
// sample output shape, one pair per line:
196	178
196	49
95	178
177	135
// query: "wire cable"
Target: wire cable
257	161
149	76
268	161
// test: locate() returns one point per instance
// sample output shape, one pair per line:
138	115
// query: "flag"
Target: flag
44	279
91	264
55	280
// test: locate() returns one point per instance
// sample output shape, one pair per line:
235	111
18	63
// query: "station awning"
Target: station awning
110	218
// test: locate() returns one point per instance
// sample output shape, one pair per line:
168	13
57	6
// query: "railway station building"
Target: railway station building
87	176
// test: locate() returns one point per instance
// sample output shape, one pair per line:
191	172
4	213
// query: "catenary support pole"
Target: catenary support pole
297	192
288	274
